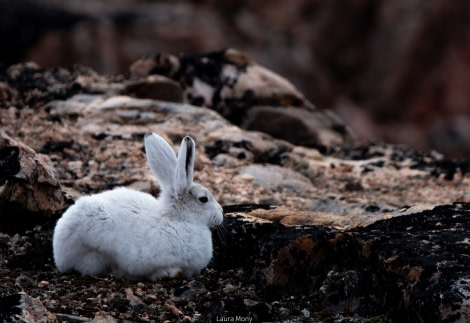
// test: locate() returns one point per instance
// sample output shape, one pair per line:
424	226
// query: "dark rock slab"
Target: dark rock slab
413	268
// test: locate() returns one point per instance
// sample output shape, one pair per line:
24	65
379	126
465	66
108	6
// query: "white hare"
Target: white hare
136	235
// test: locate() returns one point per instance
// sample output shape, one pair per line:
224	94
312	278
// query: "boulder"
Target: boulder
155	87
249	95
412	267
28	182
227	81
299	126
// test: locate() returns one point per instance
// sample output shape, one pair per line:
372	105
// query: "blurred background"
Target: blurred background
396	71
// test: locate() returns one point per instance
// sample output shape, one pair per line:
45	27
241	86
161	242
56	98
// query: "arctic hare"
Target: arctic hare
136	235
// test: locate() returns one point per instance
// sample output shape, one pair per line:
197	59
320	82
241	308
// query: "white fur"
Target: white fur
137	236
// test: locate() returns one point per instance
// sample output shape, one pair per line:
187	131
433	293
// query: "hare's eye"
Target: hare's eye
203	199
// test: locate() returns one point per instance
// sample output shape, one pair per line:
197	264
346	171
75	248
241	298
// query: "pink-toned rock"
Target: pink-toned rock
22	307
28	182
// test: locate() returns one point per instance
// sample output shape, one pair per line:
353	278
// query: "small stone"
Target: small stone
43	283
24	281
305	312
173	309
133	299
103	318
191	290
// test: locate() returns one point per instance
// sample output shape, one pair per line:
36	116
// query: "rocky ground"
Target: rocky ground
326	232
411	268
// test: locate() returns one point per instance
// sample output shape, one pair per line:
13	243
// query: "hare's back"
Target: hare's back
115	204
120	212
125	202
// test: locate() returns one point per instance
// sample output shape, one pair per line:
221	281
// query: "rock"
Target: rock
248	95
124	110
155	87
27	90
246	147
23	308
28	182
275	176
337	220
191	290
103	319
299	126
225	81
7	94
24	281
397	265
133	299
72	318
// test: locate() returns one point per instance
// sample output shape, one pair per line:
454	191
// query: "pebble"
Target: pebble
24	281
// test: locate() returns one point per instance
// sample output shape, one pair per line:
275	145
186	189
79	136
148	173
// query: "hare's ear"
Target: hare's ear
162	160
185	165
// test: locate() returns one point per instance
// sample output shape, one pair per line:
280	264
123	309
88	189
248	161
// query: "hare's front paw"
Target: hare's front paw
175	272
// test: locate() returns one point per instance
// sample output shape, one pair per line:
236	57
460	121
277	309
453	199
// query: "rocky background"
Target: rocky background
394	71
318	226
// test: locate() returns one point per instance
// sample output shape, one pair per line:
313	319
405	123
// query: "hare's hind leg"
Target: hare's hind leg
91	263
86	262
